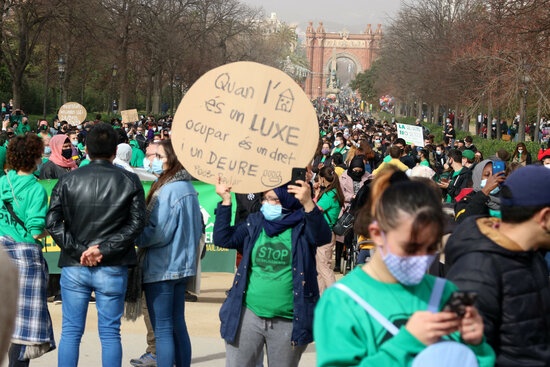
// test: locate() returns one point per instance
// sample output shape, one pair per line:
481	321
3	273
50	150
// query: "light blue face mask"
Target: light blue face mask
74	143
157	166
494	191
272	212
47	150
147	165
408	270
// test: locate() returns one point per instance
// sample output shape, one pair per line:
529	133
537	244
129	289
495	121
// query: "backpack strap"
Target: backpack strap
391	328
437	292
14	216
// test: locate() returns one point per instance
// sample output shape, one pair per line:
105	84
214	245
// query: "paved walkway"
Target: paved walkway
202	321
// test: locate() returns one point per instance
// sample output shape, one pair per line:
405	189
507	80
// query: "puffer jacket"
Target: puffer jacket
513	291
98	204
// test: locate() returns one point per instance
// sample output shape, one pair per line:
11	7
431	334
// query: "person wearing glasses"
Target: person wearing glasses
275	288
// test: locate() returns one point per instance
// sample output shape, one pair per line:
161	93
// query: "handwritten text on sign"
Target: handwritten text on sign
72	112
248	123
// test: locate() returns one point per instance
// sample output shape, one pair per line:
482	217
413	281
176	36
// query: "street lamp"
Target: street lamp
113	75
61	70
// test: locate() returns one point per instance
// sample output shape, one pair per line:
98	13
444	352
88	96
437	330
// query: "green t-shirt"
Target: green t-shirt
425	163
2	160
269	292
346	335
330	206
84	162
387	158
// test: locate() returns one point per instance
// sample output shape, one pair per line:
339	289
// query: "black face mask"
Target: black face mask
67	153
322	187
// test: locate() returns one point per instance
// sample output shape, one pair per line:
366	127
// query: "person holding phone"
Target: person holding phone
275	287
483	198
388	311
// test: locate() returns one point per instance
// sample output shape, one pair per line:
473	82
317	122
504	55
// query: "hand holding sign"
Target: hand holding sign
247	123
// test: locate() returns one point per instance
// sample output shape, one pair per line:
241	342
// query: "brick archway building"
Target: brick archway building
322	47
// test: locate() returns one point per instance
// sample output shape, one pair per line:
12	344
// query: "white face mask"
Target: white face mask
547	165
520	151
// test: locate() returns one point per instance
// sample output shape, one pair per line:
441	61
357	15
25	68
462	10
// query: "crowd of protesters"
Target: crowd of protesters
430	221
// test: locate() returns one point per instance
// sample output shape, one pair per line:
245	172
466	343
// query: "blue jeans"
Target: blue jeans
77	284
166	304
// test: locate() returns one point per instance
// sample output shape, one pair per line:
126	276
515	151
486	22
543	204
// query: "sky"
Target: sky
352	15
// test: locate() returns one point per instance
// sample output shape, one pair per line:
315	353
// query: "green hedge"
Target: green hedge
488	147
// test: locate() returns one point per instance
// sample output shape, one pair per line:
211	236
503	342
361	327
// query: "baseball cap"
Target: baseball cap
468	154
527	186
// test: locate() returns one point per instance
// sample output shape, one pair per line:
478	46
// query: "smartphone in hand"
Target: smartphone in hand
459	300
498	166
298	174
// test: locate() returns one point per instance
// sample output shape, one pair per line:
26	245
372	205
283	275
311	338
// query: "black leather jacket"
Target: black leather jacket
98	204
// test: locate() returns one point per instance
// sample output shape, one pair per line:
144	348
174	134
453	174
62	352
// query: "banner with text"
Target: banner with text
217	259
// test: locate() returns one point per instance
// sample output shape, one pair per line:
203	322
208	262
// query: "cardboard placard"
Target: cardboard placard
130	116
412	134
72	112
248	123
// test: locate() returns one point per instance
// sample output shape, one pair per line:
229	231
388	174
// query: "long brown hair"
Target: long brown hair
173	167
331	176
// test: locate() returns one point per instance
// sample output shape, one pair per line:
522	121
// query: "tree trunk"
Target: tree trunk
148	92
537	123
46	77
157	86
490	120
17	88
430	114
523	116
436	114
466	122
499	131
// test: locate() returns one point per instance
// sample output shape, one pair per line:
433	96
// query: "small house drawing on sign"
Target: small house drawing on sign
285	102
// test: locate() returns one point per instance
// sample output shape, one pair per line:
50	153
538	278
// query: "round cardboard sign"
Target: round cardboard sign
248	123
72	112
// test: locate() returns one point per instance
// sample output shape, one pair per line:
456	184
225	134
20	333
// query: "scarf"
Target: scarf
56	145
133	302
294	213
494	201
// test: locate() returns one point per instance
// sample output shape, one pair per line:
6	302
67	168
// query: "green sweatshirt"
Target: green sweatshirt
346	335
31	207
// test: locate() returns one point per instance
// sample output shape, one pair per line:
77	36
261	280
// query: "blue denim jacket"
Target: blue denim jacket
173	234
311	232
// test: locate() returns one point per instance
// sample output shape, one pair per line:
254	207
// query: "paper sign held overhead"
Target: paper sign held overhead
130	116
248	123
72	112
411	134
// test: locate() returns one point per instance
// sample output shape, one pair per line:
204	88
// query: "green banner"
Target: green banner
217	259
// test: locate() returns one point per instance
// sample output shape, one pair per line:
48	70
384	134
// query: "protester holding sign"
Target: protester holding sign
171	239
275	288
390	311
24	205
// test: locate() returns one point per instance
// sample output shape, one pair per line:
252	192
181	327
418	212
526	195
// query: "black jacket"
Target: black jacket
473	204
98	204
459	182
51	171
513	292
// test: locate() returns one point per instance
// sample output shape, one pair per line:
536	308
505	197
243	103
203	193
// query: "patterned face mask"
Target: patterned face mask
408	270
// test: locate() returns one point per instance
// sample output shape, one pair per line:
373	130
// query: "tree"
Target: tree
365	82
